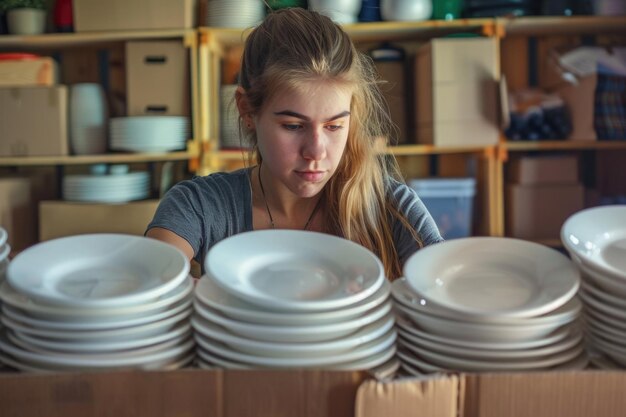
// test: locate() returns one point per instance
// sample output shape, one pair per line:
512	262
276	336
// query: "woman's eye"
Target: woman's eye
334	128
292	126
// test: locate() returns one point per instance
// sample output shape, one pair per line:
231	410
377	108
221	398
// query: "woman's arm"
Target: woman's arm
172	238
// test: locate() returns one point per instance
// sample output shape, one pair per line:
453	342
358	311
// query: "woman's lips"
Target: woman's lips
311	176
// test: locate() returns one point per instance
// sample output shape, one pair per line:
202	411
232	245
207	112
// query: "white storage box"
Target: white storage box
450	202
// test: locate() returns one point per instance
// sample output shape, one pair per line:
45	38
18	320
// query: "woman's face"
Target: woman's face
301	136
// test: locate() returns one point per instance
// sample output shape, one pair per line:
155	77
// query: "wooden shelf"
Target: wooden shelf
408	150
63	40
96	159
557	145
562	25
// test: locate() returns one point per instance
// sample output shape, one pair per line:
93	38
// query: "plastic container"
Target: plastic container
450	201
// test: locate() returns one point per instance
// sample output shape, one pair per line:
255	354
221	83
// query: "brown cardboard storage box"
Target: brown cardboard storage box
545	169
457	92
394	90
98	15
28	72
231	393
539	211
157	78
17	212
33	121
580	101
63	218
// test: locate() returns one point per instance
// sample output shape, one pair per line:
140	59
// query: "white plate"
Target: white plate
219	362
383	343
212	295
294	350
105	315
610	334
422	366
98	270
598	237
295	270
602	308
43	345
76	362
480	332
404	294
492	276
616	352
5	250
108	335
506	365
300	334
607	283
3	236
408	326
573	339
604	296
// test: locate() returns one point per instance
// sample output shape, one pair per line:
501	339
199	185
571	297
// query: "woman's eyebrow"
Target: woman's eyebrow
308	119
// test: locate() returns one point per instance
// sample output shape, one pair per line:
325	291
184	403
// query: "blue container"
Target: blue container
450	201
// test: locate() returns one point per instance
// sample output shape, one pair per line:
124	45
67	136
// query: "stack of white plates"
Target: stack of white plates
294	299
488	304
112	188
230	14
596	241
148	133
97	301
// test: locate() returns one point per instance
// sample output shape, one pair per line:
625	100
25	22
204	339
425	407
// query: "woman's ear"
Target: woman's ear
243	105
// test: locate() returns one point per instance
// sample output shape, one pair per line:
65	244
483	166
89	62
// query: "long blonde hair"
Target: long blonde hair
295	45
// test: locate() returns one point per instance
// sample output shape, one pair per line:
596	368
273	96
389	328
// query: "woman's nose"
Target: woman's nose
314	146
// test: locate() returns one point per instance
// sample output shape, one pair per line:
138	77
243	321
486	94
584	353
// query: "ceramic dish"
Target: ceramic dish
42	311
213	296
98	270
597	236
293	270
605	282
300	334
491	276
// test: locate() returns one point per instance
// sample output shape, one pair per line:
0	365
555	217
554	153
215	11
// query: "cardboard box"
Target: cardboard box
18	214
457	91
538	211
544	169
41	71
61	218
580	102
187	393
98	15
33	121
157	78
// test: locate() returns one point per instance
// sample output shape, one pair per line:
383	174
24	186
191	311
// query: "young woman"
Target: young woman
309	103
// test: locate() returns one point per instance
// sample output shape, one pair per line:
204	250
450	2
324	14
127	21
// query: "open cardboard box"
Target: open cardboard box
220	393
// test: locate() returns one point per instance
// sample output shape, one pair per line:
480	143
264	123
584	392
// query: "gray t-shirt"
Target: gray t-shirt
205	210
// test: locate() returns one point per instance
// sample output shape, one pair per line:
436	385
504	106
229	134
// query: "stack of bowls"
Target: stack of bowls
148	133
114	185
488	304
340	11
97	301
596	241
294	299
230	14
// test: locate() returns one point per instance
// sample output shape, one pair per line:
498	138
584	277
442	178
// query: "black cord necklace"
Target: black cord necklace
269	213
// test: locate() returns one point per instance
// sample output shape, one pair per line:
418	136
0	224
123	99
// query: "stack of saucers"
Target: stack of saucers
108	188
488	304
97	301
148	133
230	14
596	240
294	299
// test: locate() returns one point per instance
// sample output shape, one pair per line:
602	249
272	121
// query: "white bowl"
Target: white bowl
597	236
406	10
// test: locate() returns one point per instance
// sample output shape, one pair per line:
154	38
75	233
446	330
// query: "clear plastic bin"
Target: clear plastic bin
450	201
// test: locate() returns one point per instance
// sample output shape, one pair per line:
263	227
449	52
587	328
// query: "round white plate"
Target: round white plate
24	319
479	332
294	350
383	343
406	356
108	335
404	294
610	334
295	270
605	297
616	324
555	337
98	270
3	236
616	352
212	295
573	339
105	315
300	334
75	361
597	236
492	276
602	308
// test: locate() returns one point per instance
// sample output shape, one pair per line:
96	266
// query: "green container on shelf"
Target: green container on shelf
447	9
282	4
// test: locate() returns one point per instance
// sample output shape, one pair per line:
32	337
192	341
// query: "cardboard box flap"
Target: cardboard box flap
431	396
546	394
